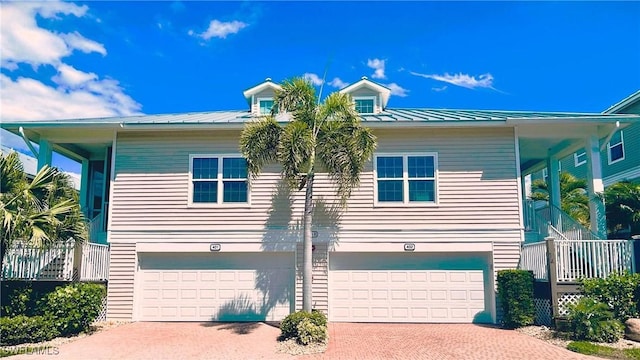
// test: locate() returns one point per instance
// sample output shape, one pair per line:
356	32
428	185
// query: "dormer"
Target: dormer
369	97
260	97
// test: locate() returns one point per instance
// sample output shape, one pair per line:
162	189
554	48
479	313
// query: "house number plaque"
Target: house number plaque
409	247
214	247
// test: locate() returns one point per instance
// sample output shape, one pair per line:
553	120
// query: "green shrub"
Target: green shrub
515	291
289	326
593	321
621	292
19	302
73	307
23	329
308	332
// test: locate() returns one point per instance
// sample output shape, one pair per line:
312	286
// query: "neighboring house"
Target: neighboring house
438	212
621	154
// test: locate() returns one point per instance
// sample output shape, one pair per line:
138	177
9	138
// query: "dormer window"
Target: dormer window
365	105
265	106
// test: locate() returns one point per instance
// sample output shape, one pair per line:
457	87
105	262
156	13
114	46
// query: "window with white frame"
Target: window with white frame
615	148
580	158
407	179
365	105
265	105
218	179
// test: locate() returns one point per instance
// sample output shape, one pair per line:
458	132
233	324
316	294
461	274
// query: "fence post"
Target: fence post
77	260
553	276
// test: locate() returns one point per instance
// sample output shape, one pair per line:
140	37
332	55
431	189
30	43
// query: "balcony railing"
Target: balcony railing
534	258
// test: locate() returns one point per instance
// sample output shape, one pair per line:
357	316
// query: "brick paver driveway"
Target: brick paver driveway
436	341
348	341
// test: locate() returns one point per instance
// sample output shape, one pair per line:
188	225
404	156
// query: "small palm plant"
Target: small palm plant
42	211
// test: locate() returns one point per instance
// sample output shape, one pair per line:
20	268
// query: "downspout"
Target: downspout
613	131
26	141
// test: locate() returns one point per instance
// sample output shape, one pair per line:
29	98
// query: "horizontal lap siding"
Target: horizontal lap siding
477	185
121	274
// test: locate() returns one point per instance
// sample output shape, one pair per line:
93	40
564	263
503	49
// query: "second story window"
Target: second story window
407	179
218	180
615	148
265	106
364	105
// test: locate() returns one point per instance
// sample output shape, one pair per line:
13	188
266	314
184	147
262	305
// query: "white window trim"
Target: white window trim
405	181
621	143
576	157
263	99
220	180
374	98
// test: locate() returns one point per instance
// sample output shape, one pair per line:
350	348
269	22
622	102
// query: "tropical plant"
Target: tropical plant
574	198
41	212
592	320
622	201
320	137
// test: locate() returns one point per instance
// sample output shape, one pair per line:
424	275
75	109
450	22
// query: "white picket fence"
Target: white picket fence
26	262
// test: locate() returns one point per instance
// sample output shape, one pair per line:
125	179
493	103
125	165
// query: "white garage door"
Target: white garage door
215	286
408	287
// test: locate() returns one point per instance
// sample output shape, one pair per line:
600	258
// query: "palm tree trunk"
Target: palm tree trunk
307	259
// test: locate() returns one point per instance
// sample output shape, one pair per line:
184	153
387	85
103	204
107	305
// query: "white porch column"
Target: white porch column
44	154
595	187
553	181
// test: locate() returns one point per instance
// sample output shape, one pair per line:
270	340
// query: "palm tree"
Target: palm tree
623	207
573	196
42	212
321	137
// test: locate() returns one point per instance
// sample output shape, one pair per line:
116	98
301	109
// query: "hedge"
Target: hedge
515	291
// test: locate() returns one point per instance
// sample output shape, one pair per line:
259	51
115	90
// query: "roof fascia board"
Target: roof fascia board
624	103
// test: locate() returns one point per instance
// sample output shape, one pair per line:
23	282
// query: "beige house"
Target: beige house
438	213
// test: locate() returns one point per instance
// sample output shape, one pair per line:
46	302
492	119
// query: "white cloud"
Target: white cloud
397	90
71	77
76	93
221	29
463	80
29	99
378	66
313	79
83	44
439	89
337	83
23	41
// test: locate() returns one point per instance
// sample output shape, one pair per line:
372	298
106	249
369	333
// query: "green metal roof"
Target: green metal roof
387	116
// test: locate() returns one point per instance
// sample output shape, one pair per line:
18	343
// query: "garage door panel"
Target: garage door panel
371	292
197	294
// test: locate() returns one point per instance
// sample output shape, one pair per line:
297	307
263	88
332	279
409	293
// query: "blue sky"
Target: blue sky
88	59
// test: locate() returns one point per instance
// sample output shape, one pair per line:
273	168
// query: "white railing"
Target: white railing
534	258
34	263
95	262
578	259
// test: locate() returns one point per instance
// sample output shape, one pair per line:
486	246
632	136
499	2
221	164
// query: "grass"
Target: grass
587	348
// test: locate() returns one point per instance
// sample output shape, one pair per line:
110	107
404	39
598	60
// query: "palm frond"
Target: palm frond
259	143
294	151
